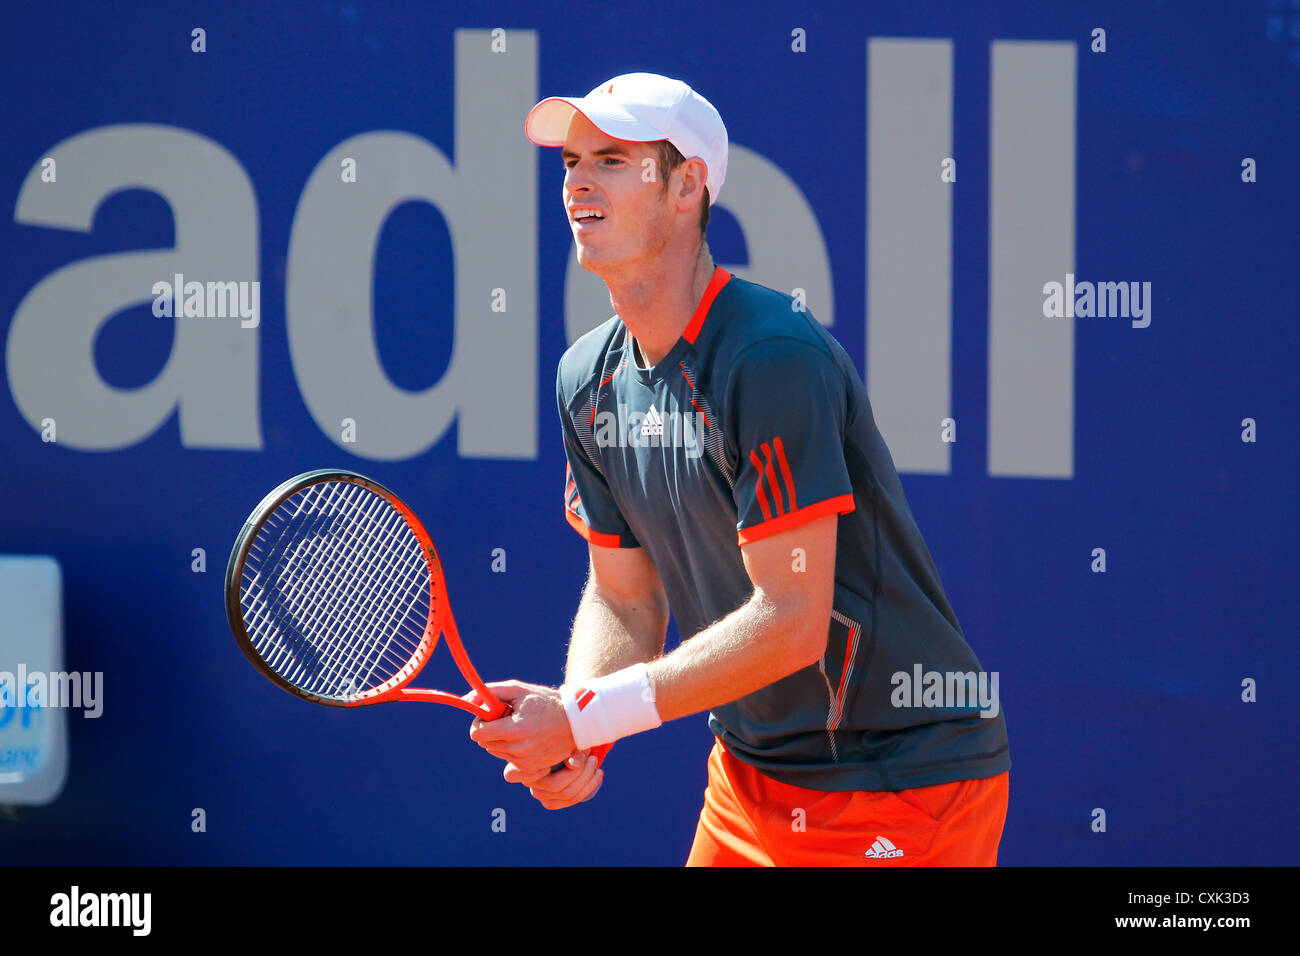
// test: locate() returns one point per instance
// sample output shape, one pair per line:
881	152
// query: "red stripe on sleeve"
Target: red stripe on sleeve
758	487
771	479
785	471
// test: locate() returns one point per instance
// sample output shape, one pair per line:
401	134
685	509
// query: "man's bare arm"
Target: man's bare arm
622	618
782	628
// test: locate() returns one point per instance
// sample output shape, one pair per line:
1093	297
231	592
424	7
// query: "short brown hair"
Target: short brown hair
670	158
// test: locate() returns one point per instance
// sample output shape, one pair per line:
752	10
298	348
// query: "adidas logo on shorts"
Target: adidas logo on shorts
882	849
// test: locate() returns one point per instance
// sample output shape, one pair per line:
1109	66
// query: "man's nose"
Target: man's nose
577	178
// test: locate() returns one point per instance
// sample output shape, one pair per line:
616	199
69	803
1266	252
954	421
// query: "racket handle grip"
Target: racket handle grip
597	752
506	711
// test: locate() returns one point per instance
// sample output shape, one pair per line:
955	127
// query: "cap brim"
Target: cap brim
548	122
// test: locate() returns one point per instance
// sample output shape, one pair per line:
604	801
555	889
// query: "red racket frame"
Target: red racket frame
440	619
440	622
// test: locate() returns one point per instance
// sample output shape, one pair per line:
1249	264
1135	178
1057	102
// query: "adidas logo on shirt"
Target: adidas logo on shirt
883	849
653	424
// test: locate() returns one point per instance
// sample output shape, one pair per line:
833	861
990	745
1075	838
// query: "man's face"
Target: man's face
606	174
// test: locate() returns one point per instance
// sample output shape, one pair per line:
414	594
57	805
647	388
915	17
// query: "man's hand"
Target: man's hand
576	783
535	737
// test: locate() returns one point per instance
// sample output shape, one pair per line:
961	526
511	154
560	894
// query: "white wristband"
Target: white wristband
603	709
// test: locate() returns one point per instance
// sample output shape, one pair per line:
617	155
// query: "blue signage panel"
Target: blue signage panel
1059	246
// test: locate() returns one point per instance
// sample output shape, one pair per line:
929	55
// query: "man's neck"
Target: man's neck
657	307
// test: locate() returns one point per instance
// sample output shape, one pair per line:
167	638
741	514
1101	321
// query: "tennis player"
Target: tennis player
723	462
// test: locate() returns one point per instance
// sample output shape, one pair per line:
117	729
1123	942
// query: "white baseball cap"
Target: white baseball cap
641	108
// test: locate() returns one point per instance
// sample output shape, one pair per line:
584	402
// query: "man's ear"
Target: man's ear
698	171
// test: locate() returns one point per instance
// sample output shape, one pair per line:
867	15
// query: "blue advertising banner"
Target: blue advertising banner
1057	240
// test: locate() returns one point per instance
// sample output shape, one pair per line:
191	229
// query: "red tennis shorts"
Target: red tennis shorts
752	820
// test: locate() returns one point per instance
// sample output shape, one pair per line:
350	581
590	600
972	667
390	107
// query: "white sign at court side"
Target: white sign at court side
488	196
33	736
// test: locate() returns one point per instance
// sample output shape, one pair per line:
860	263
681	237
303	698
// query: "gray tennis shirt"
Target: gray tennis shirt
755	422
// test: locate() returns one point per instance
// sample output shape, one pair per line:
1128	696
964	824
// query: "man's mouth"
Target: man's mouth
586	219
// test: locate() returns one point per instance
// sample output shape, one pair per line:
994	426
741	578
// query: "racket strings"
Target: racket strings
335	593
359	546
292	530
327	613
393	594
280	621
284	550
340	664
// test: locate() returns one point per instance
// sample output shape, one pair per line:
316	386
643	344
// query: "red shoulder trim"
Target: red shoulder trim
720	278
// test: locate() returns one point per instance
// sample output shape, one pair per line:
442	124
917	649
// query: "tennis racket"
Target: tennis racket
335	592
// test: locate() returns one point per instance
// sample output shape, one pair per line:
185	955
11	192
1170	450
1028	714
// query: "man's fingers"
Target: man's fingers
600	778
502	749
578	785
527	766
509	690
506	729
514	774
554	781
550	785
560	783
582	788
551	802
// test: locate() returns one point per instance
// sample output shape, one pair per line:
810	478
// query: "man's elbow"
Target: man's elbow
632	602
807	633
812	646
